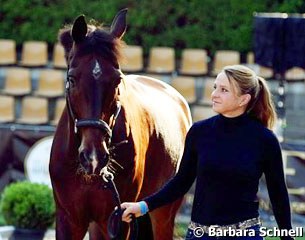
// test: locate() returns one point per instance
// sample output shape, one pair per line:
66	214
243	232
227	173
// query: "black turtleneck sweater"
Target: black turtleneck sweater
228	156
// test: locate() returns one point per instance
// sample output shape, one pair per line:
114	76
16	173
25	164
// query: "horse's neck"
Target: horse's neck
133	113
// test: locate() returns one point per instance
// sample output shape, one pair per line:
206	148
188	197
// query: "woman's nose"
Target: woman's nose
214	93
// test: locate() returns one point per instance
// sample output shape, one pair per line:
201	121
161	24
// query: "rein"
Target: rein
108	172
114	226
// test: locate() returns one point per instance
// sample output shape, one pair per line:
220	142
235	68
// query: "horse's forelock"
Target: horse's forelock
98	40
65	38
104	43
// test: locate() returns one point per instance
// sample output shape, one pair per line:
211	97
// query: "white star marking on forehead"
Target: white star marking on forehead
97	71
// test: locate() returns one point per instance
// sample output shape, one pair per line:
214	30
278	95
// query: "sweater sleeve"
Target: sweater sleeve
178	185
275	179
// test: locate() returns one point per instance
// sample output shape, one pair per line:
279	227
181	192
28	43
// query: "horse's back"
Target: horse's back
160	97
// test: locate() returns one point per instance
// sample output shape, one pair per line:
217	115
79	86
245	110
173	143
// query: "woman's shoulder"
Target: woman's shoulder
208	122
270	137
201	128
204	126
266	134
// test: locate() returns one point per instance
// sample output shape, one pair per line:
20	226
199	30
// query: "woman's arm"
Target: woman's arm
176	187
275	179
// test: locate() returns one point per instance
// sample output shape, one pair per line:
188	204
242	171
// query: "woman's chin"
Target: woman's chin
216	109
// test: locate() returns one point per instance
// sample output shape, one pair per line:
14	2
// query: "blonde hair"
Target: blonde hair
260	106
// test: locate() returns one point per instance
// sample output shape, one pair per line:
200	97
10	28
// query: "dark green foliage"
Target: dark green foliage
209	24
28	205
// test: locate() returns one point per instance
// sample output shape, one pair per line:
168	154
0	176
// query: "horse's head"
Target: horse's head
92	85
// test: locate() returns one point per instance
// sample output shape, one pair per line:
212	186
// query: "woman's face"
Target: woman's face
225	97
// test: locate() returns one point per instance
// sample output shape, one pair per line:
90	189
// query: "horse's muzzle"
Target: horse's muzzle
92	163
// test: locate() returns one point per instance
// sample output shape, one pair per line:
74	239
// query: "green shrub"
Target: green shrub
28	205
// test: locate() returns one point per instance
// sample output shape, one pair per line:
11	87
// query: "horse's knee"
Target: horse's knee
95	233
66	230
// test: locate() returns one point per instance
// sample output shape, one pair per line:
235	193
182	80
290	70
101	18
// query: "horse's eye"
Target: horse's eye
117	81
71	80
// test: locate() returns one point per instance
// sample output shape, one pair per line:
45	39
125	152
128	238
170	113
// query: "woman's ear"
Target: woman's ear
245	99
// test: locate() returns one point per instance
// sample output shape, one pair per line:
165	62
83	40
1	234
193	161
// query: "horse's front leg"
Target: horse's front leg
163	220
99	231
66	229
95	232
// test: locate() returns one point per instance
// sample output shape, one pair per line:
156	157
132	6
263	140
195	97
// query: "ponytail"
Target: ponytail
262	107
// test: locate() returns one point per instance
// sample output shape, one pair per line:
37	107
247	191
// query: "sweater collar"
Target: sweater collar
234	120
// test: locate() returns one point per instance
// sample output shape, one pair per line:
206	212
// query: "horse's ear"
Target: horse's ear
79	29
118	26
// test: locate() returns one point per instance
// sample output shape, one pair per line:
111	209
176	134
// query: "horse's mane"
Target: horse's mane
98	40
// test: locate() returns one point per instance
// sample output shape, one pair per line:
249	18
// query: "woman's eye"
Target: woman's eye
224	90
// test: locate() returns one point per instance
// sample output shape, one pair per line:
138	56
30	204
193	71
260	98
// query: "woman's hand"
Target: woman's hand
136	209
131	208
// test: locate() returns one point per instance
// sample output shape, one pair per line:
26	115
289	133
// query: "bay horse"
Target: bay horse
139	121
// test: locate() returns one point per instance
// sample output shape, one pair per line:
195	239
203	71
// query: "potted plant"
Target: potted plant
29	207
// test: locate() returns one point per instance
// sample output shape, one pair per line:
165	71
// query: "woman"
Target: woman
228	154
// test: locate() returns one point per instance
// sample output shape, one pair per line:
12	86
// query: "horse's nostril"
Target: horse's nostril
84	160
92	162
82	156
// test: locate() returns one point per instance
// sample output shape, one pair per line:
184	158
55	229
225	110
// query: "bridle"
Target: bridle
95	123
110	170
